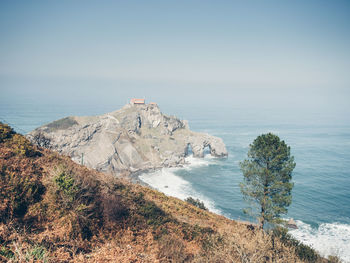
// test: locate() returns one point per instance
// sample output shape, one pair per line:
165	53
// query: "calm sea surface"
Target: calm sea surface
319	143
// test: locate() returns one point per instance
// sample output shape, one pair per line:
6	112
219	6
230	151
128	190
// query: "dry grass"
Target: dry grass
85	216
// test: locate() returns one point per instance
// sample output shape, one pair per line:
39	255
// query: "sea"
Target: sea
320	144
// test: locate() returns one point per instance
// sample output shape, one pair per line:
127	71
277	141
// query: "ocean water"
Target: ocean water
321	193
320	144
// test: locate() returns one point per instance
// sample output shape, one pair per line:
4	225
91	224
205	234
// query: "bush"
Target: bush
36	253
17	193
25	252
22	146
6	252
67	190
304	252
76	197
196	202
16	142
6	132
334	259
153	214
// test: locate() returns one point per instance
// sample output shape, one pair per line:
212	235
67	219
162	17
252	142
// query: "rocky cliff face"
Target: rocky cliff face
134	138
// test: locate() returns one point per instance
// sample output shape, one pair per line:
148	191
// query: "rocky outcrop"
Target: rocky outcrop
134	138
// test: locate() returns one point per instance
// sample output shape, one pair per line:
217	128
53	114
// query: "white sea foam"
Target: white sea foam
327	239
193	162
166	181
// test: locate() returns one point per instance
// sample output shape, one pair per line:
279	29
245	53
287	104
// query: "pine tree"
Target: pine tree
267	178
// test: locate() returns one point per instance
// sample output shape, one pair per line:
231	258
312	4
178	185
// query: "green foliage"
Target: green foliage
18	143
66	187
22	146
192	232
36	253
6	132
77	198
196	202
153	214
304	252
61	124
17	192
267	174
27	253
149	210
210	242
334	259
6	252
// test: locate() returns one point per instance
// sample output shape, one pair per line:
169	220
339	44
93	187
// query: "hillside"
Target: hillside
55	210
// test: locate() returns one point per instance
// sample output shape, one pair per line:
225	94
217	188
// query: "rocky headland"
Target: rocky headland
133	139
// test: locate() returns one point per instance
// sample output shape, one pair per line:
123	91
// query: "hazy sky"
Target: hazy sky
247	52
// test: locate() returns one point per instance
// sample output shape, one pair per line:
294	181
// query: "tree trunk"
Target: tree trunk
266	192
262	218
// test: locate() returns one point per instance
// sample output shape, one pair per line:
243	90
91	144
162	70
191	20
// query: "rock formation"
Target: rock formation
134	138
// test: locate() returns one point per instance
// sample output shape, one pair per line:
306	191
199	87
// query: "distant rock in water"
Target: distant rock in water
291	224
134	138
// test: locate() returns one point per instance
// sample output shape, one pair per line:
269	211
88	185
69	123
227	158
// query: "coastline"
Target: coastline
317	237
168	181
134	177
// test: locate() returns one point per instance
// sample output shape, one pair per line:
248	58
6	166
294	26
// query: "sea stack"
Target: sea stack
135	138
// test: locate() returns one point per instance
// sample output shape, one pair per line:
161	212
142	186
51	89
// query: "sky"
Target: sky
253	54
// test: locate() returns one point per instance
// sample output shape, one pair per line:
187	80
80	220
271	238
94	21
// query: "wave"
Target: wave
167	181
327	238
193	162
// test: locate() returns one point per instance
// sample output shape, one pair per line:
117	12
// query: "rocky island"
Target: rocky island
135	138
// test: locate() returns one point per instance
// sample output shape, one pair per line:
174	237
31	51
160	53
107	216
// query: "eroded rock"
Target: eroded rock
134	138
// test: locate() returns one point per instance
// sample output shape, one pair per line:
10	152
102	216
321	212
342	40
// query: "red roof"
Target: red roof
137	101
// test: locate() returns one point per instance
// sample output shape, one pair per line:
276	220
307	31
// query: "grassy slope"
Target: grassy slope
54	210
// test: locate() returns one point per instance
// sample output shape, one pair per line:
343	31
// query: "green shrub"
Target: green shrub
18	143
196	202
17	192
6	132
77	198
304	252
6	252
334	259
22	146
210	242
67	190
153	214
36	253
26	253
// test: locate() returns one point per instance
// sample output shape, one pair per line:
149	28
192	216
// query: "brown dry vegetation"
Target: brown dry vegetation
54	210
